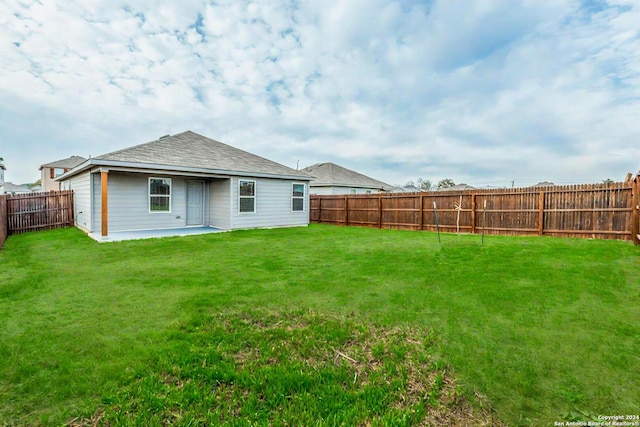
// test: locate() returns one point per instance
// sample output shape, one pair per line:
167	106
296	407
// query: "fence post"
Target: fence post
379	211
635	216
346	210
421	212
473	213
70	205
4	222
541	213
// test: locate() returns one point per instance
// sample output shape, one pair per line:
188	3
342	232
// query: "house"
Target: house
334	179
2	169
50	171
458	187
544	184
185	180
409	189
9	188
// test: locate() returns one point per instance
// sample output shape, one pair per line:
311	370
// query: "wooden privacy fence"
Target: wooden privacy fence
605	211
3	220
38	211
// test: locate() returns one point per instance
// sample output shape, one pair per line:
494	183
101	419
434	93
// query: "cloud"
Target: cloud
485	93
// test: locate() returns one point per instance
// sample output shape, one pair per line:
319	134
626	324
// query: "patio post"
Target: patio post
104	191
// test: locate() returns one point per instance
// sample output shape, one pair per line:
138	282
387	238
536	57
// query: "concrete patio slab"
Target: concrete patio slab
119	236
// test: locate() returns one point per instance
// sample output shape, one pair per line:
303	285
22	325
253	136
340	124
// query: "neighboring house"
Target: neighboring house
185	180
50	171
544	184
2	169
409	189
10	188
333	179
458	187
7	187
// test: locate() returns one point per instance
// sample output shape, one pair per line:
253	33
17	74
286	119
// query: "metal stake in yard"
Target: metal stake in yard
435	210
484	216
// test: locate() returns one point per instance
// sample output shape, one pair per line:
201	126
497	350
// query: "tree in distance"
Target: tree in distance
445	183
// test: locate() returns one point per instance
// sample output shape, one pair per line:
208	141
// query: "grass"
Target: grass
320	325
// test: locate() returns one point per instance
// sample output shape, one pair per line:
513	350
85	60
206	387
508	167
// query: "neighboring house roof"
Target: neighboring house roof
544	184
15	188
68	163
410	189
189	151
332	175
459	187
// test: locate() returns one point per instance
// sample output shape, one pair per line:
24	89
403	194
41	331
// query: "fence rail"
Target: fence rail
605	211
38	211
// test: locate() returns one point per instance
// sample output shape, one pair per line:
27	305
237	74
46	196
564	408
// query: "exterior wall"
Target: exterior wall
129	203
48	184
81	186
219	203
328	191
273	205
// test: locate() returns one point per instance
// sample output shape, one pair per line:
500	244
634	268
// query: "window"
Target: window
57	172
247	196
297	197
159	194
352	191
368	191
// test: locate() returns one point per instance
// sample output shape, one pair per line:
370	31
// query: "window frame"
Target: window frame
254	197
168	196
353	191
294	197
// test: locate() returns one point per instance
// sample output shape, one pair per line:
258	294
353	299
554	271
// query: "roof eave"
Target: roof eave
150	167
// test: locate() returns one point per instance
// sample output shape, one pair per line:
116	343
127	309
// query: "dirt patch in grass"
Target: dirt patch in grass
296	368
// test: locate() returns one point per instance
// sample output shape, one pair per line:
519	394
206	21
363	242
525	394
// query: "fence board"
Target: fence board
3	220
605	211
38	211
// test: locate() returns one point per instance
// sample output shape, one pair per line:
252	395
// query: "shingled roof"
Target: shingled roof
68	163
191	151
332	175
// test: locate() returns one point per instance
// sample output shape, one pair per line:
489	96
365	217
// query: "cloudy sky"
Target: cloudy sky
479	91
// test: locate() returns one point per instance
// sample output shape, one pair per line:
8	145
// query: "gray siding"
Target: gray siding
220	203
129	203
273	205
81	186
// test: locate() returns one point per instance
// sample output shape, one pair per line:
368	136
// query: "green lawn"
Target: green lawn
320	325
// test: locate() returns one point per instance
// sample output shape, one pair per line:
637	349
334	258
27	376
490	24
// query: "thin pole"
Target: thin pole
484	217
435	210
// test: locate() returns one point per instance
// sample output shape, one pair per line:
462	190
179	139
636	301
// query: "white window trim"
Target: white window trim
254	197
149	195
353	191
304	196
